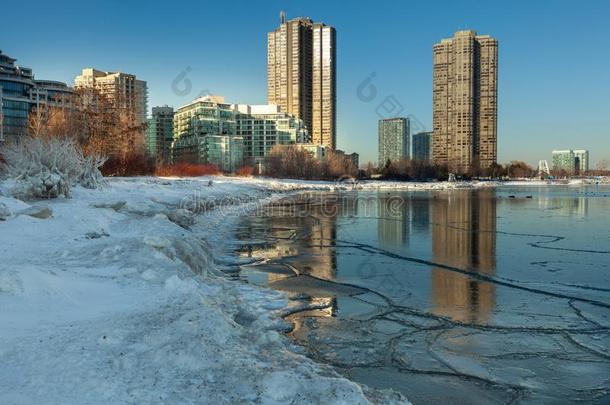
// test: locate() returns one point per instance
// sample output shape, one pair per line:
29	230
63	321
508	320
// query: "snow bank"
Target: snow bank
110	301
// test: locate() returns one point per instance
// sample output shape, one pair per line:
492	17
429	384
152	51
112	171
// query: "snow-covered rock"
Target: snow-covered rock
181	217
115	205
37	211
10	283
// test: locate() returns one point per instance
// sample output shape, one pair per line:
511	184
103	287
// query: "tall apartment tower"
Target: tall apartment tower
301	75
394	137
465	101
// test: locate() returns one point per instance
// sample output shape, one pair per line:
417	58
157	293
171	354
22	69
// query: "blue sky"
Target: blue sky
554	78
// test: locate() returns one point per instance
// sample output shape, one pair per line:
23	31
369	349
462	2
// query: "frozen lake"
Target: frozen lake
474	296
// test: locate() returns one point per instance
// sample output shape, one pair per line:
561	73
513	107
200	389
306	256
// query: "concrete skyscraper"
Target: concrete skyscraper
301	75
465	100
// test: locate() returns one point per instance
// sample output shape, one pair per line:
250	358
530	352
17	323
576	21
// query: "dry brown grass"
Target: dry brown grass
245	171
186	170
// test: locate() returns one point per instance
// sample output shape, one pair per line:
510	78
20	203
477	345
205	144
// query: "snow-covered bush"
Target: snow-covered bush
5	212
91	176
48	168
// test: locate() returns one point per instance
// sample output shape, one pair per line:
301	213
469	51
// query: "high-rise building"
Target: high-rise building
324	86
581	161
301	75
465	100
393	139
160	134
124	89
563	160
205	132
264	126
20	94
571	161
422	146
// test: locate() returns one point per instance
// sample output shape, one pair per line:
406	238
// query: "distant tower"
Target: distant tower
394	136
282	17
543	168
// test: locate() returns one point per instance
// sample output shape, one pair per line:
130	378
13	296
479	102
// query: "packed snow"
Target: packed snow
115	296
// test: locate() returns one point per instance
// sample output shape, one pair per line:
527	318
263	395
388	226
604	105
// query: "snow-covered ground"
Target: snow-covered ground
110	300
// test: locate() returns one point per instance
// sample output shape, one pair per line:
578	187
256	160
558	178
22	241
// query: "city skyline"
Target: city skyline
546	97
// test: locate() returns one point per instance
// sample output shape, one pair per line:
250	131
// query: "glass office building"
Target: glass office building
20	94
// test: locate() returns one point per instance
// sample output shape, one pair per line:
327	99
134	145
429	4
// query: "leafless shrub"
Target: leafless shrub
290	161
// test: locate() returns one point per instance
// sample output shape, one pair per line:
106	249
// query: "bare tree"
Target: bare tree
100	125
38	121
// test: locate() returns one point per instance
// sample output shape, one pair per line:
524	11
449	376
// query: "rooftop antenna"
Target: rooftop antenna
282	17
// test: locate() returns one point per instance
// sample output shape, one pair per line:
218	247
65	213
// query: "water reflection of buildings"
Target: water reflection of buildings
312	239
420	214
305	228
399	216
393	219
568	206
464	236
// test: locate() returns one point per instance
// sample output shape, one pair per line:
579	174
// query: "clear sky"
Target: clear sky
554	63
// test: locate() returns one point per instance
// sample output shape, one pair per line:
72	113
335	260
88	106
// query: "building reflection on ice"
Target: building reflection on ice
393	220
462	226
572	207
464	236
307	231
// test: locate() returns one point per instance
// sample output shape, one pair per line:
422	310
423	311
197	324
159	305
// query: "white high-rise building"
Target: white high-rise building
264	126
394	140
572	161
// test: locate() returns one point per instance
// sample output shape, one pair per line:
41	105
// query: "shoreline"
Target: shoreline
110	299
119	296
